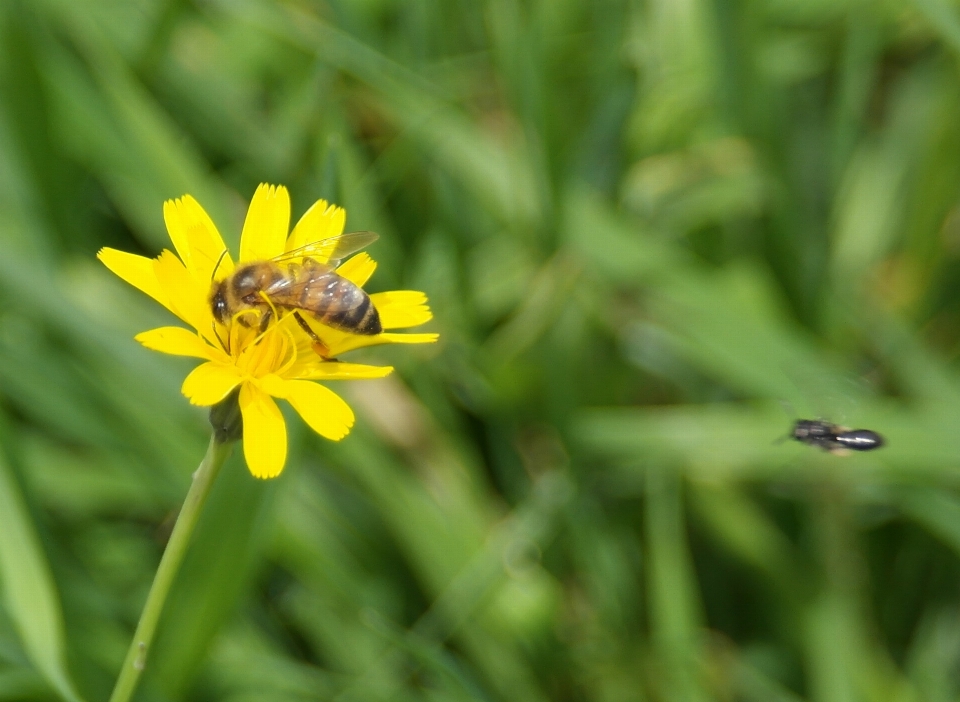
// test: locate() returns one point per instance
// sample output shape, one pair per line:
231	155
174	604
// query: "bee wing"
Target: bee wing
332	250
315	291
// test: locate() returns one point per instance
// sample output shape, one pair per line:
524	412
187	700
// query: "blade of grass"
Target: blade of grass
30	593
672	591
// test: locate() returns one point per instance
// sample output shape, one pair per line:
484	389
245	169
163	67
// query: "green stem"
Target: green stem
136	658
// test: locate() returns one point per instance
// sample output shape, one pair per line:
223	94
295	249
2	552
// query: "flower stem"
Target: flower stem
203	480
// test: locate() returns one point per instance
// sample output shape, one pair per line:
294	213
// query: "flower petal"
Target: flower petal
187	296
408	338
196	239
321	408
358	269
209	383
264	432
265	228
402	308
349	342
136	270
334	370
180	342
321	221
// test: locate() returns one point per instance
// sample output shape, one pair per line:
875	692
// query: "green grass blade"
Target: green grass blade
30	593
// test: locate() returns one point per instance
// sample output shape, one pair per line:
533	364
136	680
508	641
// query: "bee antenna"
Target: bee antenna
226	347
216	267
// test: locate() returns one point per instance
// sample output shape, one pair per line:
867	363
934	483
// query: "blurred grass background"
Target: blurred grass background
645	226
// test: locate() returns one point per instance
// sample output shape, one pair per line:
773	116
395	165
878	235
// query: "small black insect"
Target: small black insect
833	437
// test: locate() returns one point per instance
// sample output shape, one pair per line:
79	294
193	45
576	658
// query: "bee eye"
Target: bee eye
219	305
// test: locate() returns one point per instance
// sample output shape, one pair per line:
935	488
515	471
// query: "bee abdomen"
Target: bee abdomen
360	319
860	440
339	303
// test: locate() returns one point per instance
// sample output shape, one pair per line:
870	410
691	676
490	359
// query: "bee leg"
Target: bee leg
318	345
226	347
265	320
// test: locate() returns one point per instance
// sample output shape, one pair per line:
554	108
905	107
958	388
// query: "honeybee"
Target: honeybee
833	437
302	280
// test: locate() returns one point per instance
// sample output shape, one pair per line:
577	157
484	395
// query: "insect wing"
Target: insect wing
314	289
281	287
332	250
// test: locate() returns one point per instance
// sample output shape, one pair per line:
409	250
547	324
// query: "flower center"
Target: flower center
271	352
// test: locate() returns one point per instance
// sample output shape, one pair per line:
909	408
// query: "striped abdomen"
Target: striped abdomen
330	298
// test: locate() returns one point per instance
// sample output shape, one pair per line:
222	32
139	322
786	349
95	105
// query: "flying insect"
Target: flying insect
834	438
302	280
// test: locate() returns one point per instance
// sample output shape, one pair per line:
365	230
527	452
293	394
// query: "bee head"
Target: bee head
218	302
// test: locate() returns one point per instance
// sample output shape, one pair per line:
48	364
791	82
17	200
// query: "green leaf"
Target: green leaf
674	600
29	592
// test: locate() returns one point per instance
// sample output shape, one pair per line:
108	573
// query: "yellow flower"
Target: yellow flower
280	362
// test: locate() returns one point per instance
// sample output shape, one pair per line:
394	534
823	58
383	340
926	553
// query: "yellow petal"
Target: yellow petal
209	383
264	433
339	342
180	342
265	228
321	408
136	270
358	269
333	370
196	239
321	221
187	296
408	338
402	308
350	342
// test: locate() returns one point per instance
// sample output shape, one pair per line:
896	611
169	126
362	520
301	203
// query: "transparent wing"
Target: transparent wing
332	250
316	292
